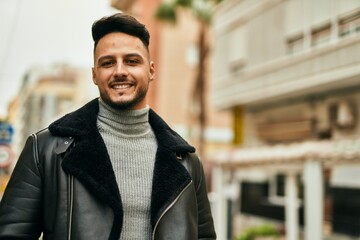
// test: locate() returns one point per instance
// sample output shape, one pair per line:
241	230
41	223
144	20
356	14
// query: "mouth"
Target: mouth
121	85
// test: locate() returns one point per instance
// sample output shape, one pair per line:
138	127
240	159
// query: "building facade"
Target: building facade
289	71
47	93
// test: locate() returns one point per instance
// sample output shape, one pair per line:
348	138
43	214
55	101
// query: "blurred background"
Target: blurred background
267	90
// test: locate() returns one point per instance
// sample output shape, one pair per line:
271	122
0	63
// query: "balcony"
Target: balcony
327	68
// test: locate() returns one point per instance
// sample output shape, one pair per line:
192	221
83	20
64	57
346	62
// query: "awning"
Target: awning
329	151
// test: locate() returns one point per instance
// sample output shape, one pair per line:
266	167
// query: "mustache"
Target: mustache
121	80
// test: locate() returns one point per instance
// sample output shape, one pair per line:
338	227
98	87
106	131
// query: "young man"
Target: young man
113	169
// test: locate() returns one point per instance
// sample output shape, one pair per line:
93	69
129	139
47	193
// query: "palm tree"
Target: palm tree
202	11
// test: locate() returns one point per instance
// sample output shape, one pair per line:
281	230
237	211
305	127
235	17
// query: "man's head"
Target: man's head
122	66
120	22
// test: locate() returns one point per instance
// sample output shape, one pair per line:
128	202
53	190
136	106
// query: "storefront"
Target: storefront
321	186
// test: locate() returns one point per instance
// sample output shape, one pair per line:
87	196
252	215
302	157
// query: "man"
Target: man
112	169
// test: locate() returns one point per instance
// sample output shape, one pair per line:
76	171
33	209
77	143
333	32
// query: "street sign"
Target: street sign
6	133
6	156
4	179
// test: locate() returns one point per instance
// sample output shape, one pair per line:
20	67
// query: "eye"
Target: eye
132	61
107	63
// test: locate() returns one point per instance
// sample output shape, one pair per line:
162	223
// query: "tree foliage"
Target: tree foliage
166	12
202	11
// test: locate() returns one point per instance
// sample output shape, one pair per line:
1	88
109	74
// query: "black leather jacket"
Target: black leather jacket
63	186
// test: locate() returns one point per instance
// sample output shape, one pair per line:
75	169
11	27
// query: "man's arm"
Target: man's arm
206	229
20	207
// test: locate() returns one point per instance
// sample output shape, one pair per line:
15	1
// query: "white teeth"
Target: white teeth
121	86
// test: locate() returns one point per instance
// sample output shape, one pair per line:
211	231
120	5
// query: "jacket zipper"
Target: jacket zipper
36	151
71	204
168	208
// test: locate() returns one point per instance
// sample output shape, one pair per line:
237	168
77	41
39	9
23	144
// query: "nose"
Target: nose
121	70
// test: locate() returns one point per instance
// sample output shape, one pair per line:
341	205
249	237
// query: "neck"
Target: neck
123	122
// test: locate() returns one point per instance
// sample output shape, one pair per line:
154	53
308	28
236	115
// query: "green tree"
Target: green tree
202	11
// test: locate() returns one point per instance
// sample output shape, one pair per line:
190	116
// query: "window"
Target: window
320	36
237	49
349	25
64	104
343	114
192	55
277	189
295	44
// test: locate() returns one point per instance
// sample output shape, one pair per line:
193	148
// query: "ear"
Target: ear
152	71
93	75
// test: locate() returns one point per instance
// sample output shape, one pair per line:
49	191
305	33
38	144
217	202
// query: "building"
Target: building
46	93
289	71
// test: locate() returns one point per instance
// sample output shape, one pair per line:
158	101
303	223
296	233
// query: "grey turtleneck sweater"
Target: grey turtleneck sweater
132	146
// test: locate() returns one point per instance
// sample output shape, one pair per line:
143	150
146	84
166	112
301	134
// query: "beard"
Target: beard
140	94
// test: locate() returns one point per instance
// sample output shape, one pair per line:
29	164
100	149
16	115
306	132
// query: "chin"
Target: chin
123	105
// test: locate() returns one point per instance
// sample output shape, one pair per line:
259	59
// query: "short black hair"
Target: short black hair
120	22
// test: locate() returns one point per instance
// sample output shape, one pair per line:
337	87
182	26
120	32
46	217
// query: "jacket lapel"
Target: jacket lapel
170	176
88	159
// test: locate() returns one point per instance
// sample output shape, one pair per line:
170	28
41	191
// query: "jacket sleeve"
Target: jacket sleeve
206	228
20	207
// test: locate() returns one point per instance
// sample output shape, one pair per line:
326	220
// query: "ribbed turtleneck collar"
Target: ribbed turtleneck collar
129	123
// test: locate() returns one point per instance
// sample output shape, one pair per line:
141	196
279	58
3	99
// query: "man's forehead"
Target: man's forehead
120	41
121	38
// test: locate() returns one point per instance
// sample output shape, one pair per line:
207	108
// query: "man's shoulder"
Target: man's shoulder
82	111
77	120
44	140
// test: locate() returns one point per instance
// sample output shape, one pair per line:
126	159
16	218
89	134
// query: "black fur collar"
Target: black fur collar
89	161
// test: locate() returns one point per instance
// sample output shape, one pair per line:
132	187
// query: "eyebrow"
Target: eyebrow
105	57
134	55
126	55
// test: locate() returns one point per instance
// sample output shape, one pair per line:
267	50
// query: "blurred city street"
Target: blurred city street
268	91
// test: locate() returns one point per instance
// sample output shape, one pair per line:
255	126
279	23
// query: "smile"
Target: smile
121	86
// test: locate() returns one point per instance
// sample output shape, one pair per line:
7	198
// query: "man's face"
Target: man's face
122	71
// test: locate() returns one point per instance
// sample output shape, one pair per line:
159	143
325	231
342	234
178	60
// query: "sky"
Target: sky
43	33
